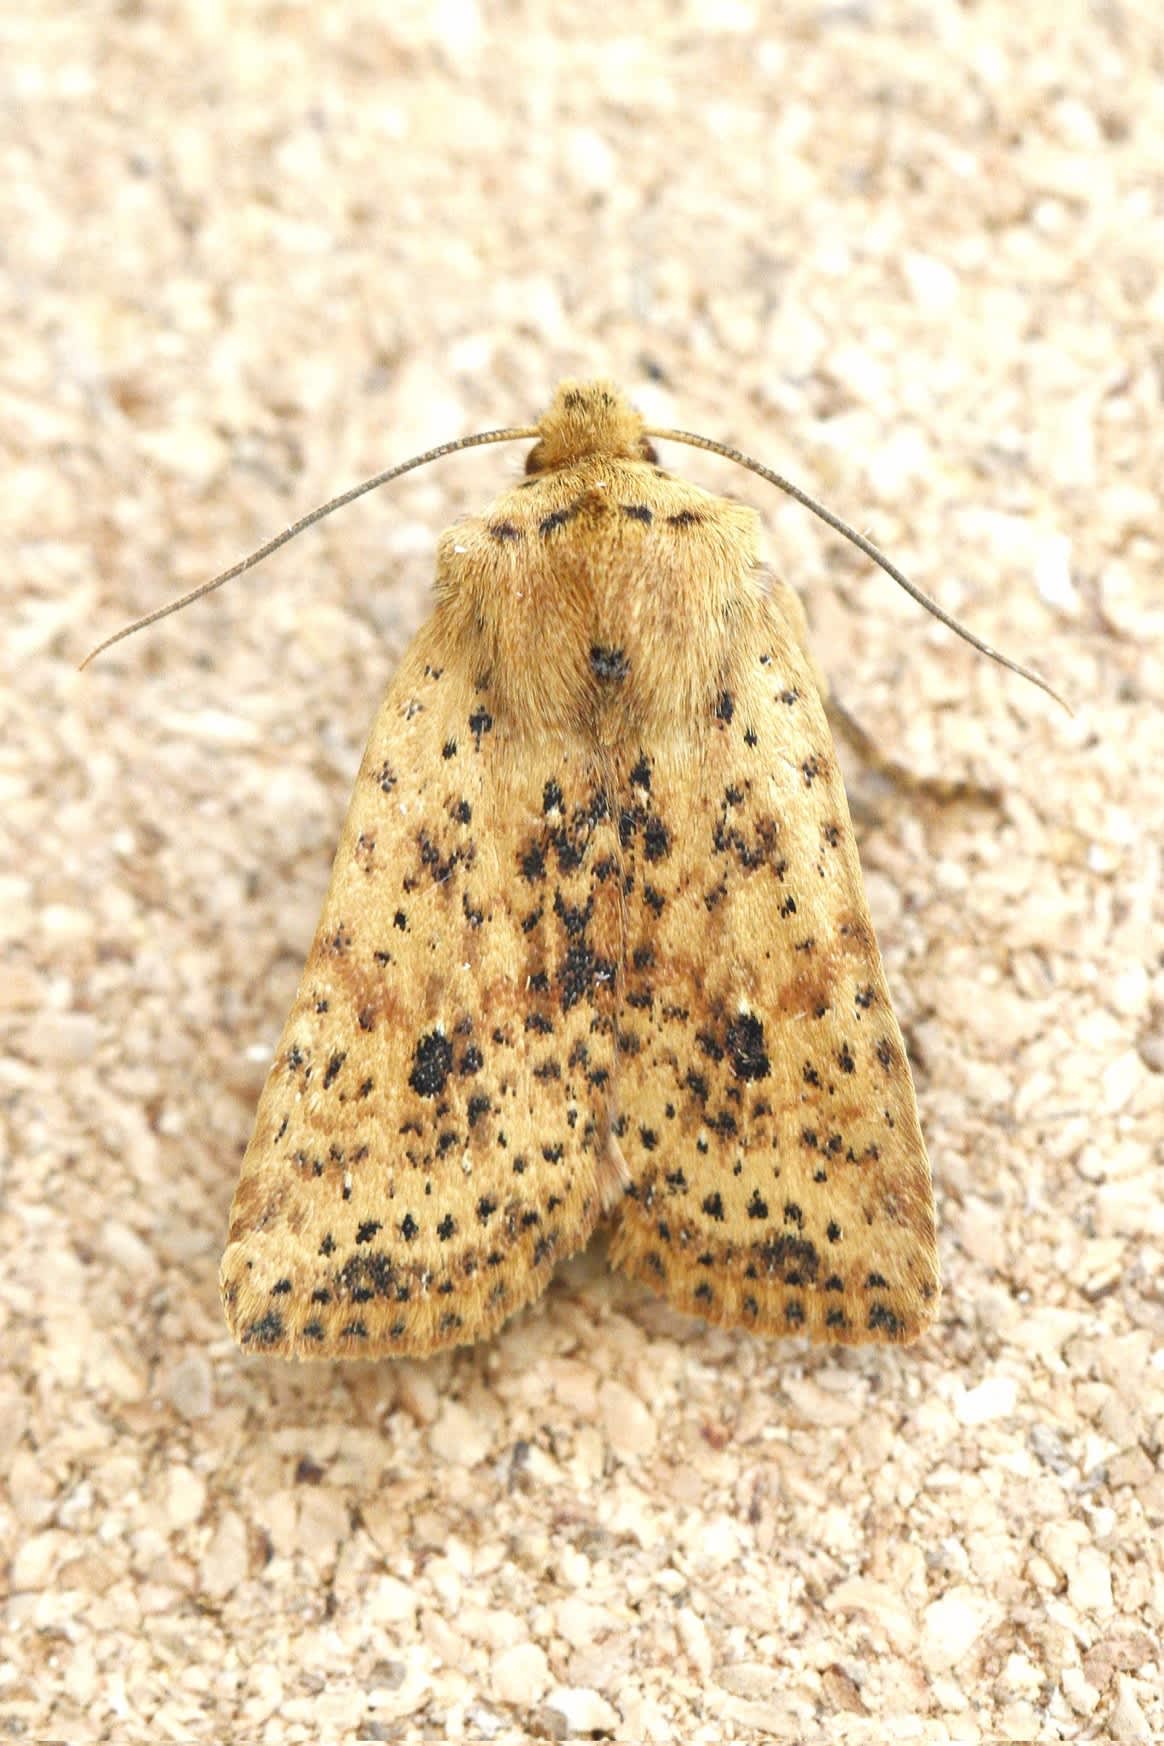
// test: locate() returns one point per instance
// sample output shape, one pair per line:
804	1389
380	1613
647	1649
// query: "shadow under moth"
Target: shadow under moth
595	948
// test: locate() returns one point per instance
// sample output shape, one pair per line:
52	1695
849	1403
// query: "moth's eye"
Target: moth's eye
535	460
646	449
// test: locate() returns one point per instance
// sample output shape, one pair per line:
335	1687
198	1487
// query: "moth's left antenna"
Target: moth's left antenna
304	522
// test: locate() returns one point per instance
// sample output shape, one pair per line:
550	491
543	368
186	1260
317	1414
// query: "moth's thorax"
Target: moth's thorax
606	591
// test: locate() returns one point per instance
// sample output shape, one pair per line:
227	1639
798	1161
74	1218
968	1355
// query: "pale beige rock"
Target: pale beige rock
61	1039
1021	1674
1127	1720
190	1387
390	1601
418	1393
880	1606
459	1436
579	1622
323	1522
225	1561
520	1675
36	1559
693	1634
629	1427
991	1399
1082	1696
952	1624
1089	1581
584	1712
185	1497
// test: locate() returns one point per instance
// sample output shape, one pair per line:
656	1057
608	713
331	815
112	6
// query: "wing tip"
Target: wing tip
268	1316
885	1313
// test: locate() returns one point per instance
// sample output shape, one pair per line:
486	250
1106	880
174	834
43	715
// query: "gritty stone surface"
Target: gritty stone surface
909	256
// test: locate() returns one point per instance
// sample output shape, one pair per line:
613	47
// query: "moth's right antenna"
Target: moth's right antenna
863	545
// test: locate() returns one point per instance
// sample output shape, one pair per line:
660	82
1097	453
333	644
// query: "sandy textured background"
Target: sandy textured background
913	254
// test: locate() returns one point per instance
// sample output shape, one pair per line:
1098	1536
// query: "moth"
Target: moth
595	949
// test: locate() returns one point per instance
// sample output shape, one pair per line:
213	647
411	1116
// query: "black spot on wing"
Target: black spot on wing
745	1042
432	1063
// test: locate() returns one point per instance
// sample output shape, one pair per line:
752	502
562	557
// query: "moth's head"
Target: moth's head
588	418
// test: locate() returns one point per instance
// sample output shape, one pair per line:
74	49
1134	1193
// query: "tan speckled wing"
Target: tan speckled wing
764	1104
433	1135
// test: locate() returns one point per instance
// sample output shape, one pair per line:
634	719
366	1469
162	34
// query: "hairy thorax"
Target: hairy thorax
548	587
